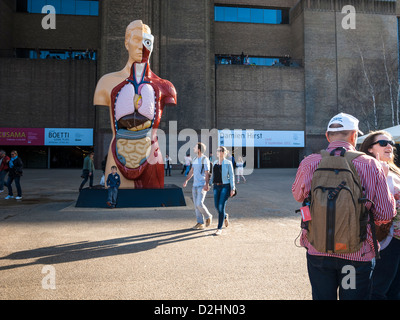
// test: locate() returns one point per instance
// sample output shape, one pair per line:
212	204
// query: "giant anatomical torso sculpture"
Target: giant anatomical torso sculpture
136	97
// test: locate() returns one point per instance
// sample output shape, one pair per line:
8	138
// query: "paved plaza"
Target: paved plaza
52	250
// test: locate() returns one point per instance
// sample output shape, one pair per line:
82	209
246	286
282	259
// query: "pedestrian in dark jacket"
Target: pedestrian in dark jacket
14	174
87	171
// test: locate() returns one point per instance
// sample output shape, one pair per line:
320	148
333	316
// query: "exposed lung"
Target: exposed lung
130	113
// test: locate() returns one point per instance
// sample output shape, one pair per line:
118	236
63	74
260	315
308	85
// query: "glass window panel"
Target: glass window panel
94	8
273	16
231	14
278	17
243	15
249	15
56	4
36	6
83	8
67	6
257	15
219	13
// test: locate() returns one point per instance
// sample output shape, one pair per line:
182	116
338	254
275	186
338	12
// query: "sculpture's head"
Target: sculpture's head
139	41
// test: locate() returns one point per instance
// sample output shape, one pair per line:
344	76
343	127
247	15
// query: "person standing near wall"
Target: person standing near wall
14	174
88	171
4	159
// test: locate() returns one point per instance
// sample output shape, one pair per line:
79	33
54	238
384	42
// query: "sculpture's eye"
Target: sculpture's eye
147	43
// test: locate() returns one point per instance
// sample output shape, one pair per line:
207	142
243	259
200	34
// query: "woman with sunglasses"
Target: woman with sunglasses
223	181
386	276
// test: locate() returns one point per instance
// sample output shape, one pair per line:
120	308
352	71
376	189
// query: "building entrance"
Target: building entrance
276	157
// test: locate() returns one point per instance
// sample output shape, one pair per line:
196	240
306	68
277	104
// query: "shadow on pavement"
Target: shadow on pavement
85	250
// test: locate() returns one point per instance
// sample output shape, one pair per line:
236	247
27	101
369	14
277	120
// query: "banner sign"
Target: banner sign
260	138
21	136
68	137
46	137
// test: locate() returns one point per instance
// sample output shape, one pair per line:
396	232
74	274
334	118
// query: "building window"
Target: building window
251	15
56	54
285	61
72	7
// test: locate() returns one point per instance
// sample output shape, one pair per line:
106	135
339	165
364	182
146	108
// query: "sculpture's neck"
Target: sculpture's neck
139	68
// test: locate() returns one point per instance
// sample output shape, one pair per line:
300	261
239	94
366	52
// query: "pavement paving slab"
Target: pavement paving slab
51	250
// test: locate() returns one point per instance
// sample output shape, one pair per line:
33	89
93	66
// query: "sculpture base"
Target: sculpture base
170	196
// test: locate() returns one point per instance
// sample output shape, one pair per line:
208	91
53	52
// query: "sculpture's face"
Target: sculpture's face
139	43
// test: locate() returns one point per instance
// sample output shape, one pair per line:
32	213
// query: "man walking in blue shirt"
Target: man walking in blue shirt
200	171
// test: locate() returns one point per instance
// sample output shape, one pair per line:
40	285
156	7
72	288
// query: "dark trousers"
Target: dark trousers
17	185
328	274
86	177
386	277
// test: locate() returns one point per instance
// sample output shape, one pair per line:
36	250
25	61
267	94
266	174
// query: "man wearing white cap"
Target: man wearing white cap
325	270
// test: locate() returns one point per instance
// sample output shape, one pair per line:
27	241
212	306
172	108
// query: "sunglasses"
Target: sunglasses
384	143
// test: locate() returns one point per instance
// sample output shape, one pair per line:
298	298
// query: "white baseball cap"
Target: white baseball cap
347	122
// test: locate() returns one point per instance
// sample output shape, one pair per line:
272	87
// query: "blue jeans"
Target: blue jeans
327	274
221	195
17	184
198	200
112	195
386	278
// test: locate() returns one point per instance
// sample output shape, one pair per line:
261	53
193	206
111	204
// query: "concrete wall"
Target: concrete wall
77	32
252	39
187	60
334	77
260	98
7	8
47	93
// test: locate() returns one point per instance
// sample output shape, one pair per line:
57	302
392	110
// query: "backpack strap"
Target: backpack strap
351	155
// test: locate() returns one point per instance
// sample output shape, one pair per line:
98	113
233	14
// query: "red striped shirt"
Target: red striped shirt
372	178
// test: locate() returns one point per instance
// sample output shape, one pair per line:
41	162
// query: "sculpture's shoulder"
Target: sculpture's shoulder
167	89
104	87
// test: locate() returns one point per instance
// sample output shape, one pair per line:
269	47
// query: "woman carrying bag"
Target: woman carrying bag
223	180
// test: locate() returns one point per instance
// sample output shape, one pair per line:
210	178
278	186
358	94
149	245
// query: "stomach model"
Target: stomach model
137	110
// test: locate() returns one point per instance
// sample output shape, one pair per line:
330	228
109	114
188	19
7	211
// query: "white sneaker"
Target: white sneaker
18	198
218	233
8	197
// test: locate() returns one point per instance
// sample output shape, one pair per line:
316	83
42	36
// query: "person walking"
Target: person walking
325	269
14	174
4	160
88	171
240	169
188	163
167	165
386	276
200	171
223	181
113	182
